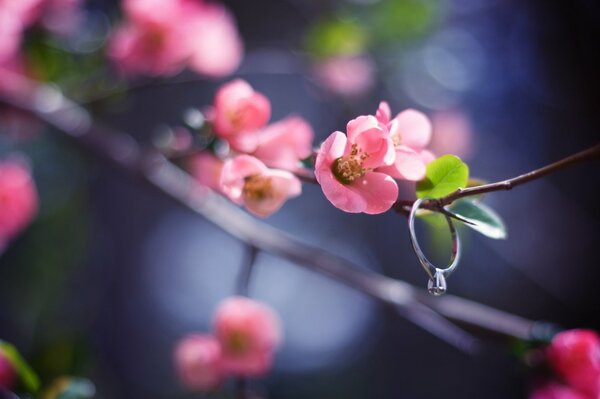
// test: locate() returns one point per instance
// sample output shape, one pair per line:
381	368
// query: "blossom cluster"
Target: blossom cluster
199	35
258	170
246	335
18	199
357	171
574	358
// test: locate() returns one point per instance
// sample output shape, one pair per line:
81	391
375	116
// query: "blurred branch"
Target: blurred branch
246	270
123	153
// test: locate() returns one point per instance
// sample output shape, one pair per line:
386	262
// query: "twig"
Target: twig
246	270
123	153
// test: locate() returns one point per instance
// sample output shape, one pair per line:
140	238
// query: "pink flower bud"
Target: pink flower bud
557	391
283	144
575	357
249	333
239	112
247	181
345	167
7	372
197	360
18	200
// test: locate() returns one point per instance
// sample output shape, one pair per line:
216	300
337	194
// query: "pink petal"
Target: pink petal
384	113
283	144
360	124
235	171
378	190
409	164
332	148
340	195
377	144
413	128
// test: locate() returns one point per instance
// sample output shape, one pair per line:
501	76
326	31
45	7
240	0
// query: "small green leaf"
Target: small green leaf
334	37
26	375
443	176
70	388
485	220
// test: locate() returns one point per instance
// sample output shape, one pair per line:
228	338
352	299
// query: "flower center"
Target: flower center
349	168
396	139
257	187
237	342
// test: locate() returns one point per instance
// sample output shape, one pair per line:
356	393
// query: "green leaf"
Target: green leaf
485	220
334	37
26	375
444	176
70	388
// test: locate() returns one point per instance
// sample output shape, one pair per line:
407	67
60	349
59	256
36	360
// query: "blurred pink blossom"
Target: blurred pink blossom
18	200
216	47
410	131
249	333
183	33
344	167
239	112
206	168
346	75
453	133
197	360
10	34
557	391
285	143
62	17
7	372
247	181
575	357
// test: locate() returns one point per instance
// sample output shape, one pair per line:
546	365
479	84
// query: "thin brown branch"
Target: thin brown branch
403	206
123	153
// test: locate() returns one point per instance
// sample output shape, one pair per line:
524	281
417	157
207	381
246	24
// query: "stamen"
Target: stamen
349	168
258	187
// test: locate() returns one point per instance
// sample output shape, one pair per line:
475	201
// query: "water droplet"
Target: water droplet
437	285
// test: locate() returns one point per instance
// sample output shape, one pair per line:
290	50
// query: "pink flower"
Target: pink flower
18	200
161	37
283	144
238	113
197	360
575	356
410	131
148	49
345	167
247	181
216	47
249	333
10	35
206	168
557	391
346	75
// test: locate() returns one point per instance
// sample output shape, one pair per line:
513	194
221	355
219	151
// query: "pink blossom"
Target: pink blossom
284	143
10	35
181	33
346	75
345	167
18	199
206	168
148	49
249	333
238	113
247	181
216	47
410	131
575	356
197	360
557	391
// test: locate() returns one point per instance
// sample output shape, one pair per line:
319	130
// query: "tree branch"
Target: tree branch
123	153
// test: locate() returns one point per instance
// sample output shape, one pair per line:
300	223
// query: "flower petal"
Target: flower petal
413	128
378	190
340	195
409	164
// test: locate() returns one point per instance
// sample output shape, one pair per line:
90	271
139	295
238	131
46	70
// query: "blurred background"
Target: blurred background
111	274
